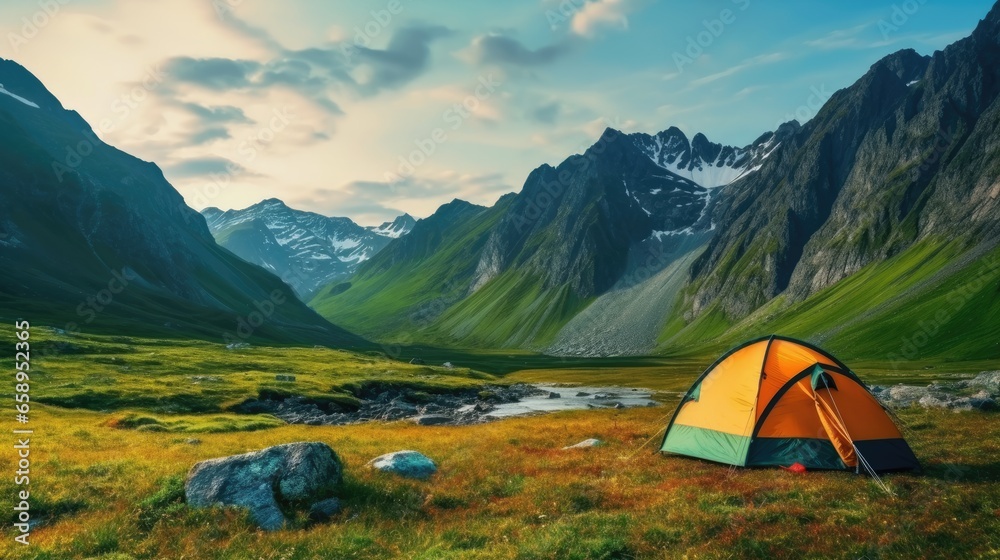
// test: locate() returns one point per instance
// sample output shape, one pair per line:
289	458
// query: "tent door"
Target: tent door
834	428
836	431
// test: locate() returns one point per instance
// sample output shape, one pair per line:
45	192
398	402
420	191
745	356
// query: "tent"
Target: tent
777	401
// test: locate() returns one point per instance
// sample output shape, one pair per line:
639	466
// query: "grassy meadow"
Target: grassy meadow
114	418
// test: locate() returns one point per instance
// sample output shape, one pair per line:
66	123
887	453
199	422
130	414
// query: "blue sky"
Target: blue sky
370	109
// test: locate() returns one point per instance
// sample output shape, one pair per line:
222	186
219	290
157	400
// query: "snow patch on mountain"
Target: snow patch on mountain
27	102
312	250
701	161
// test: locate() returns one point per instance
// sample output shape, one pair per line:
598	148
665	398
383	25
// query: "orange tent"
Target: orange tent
776	401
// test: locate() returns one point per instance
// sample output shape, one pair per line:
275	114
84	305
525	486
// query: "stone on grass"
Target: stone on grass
282	377
431	419
323	510
585	443
257	481
407	463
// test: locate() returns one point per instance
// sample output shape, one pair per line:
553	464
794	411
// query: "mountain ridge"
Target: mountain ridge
306	249
874	186
96	239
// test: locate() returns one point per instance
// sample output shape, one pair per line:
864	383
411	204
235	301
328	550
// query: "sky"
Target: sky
369	109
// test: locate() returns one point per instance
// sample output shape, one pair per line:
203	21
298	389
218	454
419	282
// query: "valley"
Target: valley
123	418
267	377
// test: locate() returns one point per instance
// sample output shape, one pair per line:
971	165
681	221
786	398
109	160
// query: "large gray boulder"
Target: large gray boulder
256	481
409	464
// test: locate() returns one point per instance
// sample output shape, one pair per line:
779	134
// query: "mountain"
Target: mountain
874	229
416	277
709	164
92	238
305	249
894	180
629	206
396	228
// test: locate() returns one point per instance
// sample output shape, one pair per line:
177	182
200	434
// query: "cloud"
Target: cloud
314	72
405	58
210	121
204	166
208	134
747	91
211	73
217	113
546	113
601	14
501	49
377	201
746	64
841	38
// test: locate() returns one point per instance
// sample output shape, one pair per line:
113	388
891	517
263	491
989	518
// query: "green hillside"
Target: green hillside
933	303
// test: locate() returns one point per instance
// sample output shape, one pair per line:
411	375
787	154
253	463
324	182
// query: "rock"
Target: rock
431	419
987	380
258	480
583	394
483	407
585	443
193	441
287	378
407	463
448	365
618	405
434	408
237	346
322	511
553	395
417	362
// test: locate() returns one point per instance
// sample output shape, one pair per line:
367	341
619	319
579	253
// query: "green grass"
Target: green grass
881	311
108	481
388	301
195	424
105	373
510	311
921	308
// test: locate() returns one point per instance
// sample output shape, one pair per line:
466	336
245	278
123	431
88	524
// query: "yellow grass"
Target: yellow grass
507	490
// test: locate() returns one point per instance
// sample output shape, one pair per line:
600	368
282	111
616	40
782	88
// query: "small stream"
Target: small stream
574	398
470	406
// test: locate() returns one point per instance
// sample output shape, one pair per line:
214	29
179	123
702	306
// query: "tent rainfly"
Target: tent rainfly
775	401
